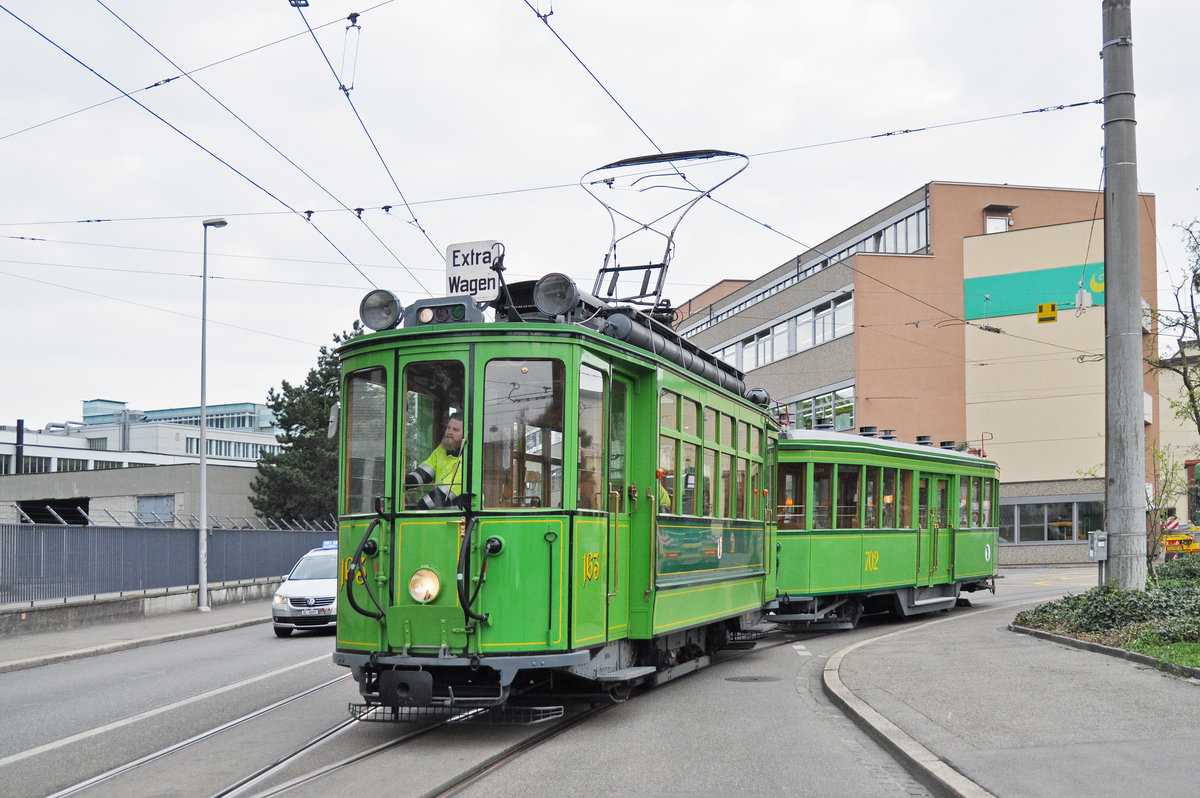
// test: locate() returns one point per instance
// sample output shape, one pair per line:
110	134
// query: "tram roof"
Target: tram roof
826	438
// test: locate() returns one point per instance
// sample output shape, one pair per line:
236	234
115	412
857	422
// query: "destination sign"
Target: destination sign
469	269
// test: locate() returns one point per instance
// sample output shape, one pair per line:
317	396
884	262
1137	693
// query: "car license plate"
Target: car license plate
309	612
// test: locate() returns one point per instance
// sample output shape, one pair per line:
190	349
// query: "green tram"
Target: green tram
569	499
868	524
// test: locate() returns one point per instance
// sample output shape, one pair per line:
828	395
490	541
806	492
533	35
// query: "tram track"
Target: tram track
208	734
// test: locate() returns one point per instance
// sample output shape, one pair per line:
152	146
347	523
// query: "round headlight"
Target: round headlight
424	586
425	315
380	310
555	294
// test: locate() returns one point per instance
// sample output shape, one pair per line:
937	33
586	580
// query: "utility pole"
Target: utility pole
1125	436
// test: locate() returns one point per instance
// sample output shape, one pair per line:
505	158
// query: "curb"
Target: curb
925	765
1119	653
123	645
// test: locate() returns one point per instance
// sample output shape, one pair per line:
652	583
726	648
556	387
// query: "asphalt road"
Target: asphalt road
758	723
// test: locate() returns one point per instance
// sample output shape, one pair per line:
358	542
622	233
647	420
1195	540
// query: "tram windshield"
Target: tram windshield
523	433
434	434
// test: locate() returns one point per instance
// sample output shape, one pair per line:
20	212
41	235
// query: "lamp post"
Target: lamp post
202	602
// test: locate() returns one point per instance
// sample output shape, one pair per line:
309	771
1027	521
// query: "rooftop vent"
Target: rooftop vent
924	440
888	434
948	444
868	432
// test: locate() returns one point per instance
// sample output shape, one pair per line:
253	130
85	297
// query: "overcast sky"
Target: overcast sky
477	123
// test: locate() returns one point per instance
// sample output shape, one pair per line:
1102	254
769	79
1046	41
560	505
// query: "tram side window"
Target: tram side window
523	433
756	493
433	444
591	495
848	481
726	431
740	488
905	499
366	427
691	418
822	495
668	489
987	501
668	410
689	489
791	495
888	519
728	469
871	488
943	502
975	488
712	490
964	491
923	502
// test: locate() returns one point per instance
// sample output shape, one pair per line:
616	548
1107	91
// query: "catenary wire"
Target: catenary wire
212	154
264	140
165	81
367	132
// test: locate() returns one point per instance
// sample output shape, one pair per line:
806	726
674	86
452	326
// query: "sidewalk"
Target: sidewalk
43	648
983	710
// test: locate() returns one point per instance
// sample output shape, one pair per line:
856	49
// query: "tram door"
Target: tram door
618	509
933	503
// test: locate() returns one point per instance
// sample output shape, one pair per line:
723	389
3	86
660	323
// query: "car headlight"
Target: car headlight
280	599
424	586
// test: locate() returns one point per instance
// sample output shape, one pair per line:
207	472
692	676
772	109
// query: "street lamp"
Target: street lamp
202	603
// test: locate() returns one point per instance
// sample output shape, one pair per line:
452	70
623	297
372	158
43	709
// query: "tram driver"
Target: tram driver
442	469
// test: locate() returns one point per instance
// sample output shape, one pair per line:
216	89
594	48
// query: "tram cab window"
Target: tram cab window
523	433
366	426
435	434
590	474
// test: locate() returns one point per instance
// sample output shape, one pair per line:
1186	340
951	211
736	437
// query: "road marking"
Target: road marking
150	713
802	650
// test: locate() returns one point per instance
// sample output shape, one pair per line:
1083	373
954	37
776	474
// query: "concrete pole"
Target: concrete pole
202	553
1125	453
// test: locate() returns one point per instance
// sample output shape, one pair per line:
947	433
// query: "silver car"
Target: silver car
307	598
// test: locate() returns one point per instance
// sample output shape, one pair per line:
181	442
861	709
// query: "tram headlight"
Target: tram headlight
555	294
424	586
380	310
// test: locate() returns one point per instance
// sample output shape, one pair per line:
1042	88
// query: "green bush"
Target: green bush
1165	614
1184	569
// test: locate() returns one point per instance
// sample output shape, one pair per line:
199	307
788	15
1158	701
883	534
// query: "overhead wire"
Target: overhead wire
545	20
165	81
209	152
277	151
383	161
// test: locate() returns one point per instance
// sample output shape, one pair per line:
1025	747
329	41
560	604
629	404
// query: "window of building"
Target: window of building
97	444
71	464
1033	521
35	465
105	465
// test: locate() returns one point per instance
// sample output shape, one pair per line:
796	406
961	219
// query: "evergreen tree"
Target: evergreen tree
300	481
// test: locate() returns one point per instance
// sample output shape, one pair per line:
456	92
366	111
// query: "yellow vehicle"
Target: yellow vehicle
1179	542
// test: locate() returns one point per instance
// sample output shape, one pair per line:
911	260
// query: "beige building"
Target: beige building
922	320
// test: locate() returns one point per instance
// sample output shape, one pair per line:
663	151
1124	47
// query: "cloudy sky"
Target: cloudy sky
475	119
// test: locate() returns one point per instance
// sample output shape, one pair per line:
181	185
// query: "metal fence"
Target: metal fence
53	561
